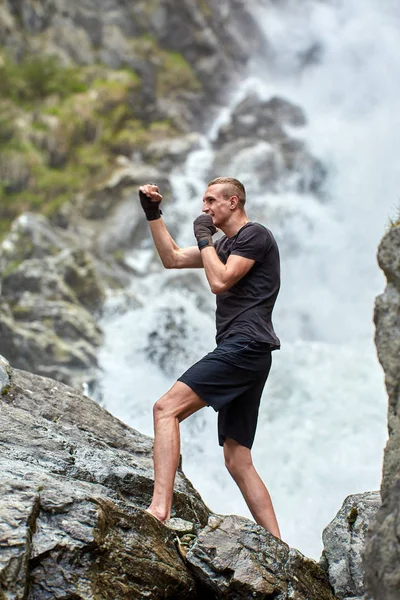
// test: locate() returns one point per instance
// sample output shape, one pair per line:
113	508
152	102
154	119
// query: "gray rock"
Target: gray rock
30	236
234	558
74	483
5	380
216	38
344	542
122	181
255	139
382	551
50	294
169	153
263	119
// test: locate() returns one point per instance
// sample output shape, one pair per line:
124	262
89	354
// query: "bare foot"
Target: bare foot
148	511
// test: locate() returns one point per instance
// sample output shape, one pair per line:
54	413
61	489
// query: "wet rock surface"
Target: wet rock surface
235	558
344	542
383	545
74	484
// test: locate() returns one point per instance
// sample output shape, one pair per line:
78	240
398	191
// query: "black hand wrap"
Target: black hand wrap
204	229
151	209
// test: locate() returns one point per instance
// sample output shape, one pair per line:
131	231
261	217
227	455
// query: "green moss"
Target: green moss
395	221
36	77
4	391
204	8
352	516
93	157
11	267
175	75
60	128
4	226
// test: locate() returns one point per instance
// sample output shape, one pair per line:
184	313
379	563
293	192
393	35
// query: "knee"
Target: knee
159	410
238	465
163	408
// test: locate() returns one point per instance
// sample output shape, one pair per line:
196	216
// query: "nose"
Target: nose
205	209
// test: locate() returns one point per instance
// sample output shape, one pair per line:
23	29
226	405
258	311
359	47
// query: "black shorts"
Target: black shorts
231	380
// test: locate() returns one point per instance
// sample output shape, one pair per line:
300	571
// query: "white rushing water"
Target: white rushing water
323	417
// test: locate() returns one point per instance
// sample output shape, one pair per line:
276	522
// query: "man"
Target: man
242	269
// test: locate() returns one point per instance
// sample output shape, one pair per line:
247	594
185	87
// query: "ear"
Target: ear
234	200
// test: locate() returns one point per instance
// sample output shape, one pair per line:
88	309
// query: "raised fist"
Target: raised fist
150	199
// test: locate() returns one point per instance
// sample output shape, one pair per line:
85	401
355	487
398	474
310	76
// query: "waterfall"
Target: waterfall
322	424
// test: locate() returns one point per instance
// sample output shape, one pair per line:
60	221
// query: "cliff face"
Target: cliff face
383	548
215	37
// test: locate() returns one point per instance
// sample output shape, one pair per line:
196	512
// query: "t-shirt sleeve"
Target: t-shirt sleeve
253	242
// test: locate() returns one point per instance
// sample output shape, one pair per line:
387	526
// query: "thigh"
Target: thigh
238	419
180	401
228	372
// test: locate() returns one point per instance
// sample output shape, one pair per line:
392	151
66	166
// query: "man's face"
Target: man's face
215	205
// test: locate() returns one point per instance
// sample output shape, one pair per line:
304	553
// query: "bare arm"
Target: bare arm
222	277
172	256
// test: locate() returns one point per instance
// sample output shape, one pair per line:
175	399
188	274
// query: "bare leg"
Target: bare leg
177	404
240	465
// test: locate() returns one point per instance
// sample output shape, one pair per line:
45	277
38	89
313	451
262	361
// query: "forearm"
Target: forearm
165	245
216	272
172	256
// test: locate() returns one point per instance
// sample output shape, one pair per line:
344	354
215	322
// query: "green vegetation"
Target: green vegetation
176	75
205	9
173	73
395	222
37	77
61	127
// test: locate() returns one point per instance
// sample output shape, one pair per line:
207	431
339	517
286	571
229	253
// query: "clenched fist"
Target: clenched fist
150	199
204	229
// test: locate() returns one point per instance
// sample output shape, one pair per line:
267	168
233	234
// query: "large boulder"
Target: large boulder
235	558
74	485
383	546
344	541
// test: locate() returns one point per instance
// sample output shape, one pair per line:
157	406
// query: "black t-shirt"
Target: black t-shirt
246	308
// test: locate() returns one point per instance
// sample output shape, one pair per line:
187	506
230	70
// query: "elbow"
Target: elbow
168	264
218	288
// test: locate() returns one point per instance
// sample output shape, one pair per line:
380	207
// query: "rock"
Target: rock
74	482
170	153
255	140
31	236
344	541
383	545
50	296
122	181
15	172
262	119
5	381
235	558
216	38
